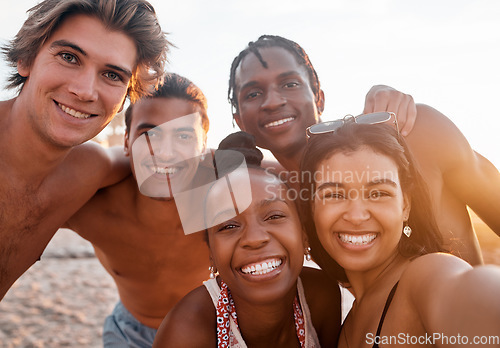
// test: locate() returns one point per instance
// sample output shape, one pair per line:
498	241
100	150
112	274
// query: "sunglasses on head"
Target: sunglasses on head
332	126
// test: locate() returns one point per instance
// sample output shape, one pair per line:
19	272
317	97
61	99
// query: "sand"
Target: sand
62	301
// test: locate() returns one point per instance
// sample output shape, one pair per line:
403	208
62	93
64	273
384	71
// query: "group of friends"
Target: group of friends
207	247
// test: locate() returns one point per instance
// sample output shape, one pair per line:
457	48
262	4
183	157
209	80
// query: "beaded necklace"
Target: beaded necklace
226	309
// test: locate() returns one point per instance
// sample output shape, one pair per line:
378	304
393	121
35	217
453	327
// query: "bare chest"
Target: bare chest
129	248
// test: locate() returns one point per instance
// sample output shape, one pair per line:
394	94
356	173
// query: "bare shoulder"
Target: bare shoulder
443	287
104	166
112	201
443	268
191	323
88	150
434	267
436	136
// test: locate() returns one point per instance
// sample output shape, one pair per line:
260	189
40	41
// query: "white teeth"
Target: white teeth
74	113
261	268
167	170
357	239
279	122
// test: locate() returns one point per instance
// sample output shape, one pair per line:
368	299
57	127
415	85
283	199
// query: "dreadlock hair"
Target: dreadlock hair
272	41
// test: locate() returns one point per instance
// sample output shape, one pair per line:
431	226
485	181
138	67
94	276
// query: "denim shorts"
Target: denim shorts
121	330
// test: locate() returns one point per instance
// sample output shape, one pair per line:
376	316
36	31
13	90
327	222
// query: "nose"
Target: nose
84	85
357	210
273	99
254	236
163	148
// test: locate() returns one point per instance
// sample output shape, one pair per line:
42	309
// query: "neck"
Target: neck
290	161
389	272
268	325
154	212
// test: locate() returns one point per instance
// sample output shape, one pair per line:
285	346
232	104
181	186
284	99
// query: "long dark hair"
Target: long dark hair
384	140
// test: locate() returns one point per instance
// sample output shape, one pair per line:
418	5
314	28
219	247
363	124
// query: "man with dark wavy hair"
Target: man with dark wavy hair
76	62
135	226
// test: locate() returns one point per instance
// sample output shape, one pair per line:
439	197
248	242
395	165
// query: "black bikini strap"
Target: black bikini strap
387	304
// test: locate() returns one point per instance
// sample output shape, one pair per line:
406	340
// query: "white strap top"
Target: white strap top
237	341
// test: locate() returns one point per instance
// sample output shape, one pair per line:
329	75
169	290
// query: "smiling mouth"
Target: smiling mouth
279	122
74	113
263	267
357	239
163	170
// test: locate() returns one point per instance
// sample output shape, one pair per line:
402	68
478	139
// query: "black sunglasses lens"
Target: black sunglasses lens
376	117
325	127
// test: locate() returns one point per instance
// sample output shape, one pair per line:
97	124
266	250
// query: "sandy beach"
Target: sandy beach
62	300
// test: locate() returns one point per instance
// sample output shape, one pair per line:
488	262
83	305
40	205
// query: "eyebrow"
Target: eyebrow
185	129
381	181
267	202
280	76
146	125
326	185
262	203
65	43
231	211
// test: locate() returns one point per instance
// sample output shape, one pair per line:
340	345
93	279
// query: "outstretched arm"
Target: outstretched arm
455	299
385	98
477	181
470	177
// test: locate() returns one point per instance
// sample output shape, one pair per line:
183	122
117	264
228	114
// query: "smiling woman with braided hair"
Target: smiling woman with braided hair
255	297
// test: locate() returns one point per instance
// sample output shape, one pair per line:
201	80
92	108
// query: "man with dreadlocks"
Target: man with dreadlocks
275	94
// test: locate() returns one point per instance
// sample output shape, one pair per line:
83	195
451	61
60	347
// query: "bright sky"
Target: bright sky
444	53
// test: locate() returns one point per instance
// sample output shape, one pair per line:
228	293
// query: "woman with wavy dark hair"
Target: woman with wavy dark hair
368	216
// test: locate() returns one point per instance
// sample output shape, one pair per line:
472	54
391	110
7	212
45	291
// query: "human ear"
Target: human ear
320	102
126	148
22	69
237	118
406	206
